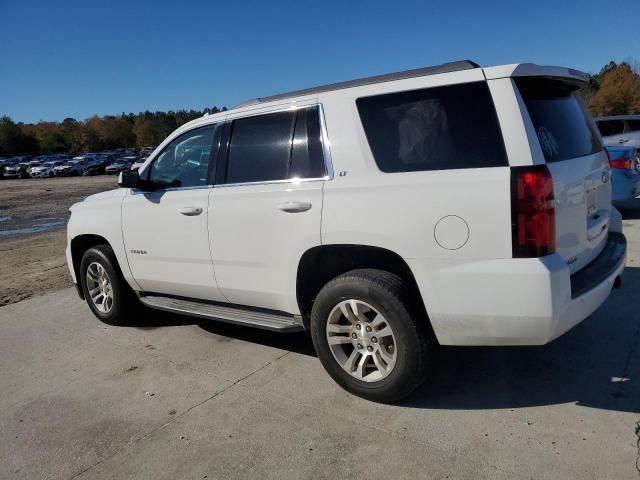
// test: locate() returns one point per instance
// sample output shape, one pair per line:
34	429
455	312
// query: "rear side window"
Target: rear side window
276	146
563	125
610	127
307	160
440	128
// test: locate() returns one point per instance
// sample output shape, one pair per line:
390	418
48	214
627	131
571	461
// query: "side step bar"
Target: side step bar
279	322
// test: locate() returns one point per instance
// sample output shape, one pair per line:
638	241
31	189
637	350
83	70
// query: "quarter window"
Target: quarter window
185	161
307	160
439	128
276	146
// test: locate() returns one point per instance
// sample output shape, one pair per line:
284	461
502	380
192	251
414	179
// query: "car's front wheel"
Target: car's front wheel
366	338
105	290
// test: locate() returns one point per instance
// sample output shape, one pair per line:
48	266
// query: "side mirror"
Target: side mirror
129	179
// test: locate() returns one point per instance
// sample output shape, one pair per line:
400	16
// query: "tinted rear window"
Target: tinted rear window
440	128
563	125
276	146
259	148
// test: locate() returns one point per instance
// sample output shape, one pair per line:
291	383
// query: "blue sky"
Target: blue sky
79	58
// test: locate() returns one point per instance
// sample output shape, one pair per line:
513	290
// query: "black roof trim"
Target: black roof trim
387	77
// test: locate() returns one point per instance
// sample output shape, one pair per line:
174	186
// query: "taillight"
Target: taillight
623	163
619	163
533	213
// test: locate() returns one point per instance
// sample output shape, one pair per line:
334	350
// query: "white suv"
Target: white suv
455	204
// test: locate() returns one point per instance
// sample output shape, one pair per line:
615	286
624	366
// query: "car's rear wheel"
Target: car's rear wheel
105	290
369	336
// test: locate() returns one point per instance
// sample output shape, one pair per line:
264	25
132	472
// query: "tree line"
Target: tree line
93	134
615	90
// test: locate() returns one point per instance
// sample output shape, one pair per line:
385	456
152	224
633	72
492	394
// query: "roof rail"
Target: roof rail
387	77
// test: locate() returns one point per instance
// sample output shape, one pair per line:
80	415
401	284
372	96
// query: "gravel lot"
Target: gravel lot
33	215
172	397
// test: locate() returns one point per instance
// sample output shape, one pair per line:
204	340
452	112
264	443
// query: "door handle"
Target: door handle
623	140
295	207
191	211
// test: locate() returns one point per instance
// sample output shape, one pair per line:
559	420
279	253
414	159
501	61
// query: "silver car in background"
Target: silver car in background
620	130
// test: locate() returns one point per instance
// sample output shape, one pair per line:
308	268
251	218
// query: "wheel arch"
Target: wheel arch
320	264
79	245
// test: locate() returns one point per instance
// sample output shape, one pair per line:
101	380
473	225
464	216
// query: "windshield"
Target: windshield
563	125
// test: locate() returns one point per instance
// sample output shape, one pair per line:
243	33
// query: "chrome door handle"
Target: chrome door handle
623	140
295	207
191	211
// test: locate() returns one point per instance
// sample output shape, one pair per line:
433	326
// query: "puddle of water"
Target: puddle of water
43	225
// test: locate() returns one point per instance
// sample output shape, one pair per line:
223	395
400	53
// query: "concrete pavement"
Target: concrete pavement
175	398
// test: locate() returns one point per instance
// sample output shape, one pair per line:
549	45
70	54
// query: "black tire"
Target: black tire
388	294
126	306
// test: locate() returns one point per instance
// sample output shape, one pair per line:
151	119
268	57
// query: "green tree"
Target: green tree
615	91
95	133
13	140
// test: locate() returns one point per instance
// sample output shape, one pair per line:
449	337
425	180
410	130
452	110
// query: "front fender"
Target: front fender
101	215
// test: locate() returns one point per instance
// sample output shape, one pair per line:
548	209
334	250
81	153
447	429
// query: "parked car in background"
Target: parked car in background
45	169
625	173
86	159
119	165
370	241
69	168
620	130
32	164
17	170
95	169
106	158
6	162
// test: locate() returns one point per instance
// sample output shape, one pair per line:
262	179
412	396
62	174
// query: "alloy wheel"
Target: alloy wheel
99	287
361	340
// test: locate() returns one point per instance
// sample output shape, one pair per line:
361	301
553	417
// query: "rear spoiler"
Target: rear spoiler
533	70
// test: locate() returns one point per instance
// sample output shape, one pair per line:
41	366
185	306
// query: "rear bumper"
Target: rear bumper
515	301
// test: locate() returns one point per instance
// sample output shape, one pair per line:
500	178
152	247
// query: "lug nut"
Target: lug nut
358	327
369	348
368	329
374	340
359	346
353	335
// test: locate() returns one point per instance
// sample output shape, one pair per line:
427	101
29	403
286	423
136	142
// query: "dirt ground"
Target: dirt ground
33	216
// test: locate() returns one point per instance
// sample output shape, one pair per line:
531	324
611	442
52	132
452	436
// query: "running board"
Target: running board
278	322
